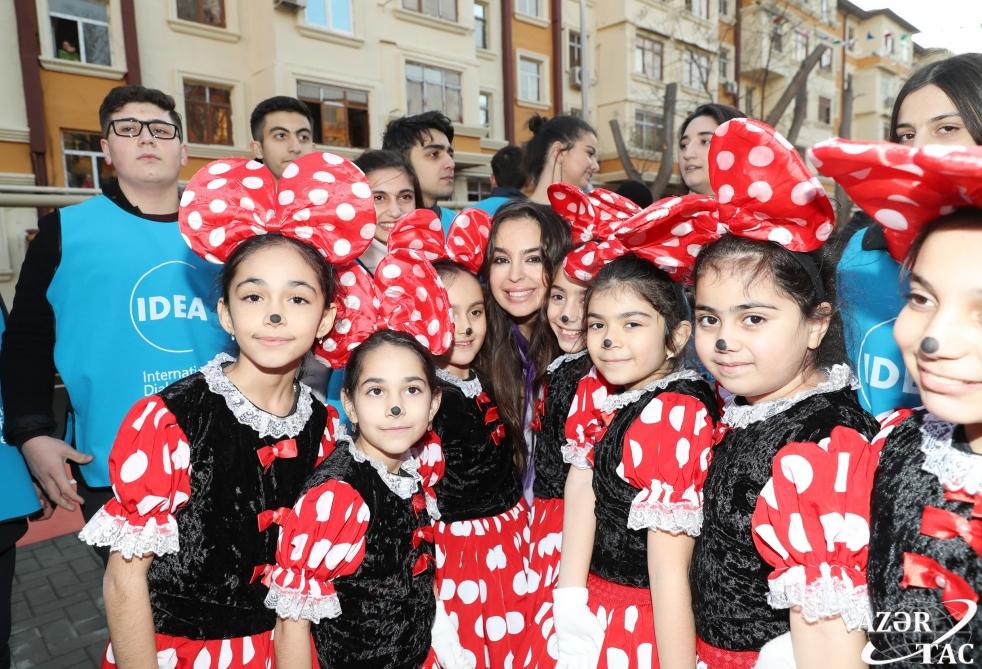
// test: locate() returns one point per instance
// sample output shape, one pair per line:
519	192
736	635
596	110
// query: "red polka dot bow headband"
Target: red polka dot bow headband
466	243
405	295
321	199
901	187
596	221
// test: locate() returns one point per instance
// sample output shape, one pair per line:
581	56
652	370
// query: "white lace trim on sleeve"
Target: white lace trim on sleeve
293	604
832	594
576	454
130	540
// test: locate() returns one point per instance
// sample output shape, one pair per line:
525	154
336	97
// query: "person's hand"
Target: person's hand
446	642
579	637
45	457
47	508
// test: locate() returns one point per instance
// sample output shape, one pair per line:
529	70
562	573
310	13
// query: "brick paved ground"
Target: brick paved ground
58	617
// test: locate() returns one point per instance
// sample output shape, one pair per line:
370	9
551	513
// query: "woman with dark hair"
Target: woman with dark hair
696	131
528	242
941	103
562	149
395	191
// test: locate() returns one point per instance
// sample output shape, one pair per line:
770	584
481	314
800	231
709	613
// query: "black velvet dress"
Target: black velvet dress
354	560
928	479
728	578
193	480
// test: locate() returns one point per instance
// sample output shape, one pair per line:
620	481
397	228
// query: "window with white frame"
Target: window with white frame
574	53
331	15
208	110
825	110
888	44
724	64
699	8
724	7
208	12
433	88
748	101
478	188
648	56
696	72
826	11
85	165
441	9
529	79
80	29
481	25
529	7
484	109
340	115
648	129
826	62
799	44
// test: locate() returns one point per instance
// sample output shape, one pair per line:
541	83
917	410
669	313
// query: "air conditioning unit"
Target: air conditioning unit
730	87
293	5
576	76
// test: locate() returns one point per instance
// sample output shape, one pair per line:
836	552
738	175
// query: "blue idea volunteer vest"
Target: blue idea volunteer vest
133	314
17	496
869	296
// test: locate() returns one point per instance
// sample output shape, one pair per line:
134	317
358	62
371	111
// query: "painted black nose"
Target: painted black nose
396	411
275	318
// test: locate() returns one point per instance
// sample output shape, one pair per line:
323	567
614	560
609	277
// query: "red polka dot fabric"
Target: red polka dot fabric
405	295
585	424
321	199
902	187
467	239
811	523
321	538
429	452
665	456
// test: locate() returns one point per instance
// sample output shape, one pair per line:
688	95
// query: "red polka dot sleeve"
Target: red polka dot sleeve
585	424
321	538
811	524
665	456
149	469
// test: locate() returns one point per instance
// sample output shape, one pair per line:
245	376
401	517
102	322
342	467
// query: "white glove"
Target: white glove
446	642
778	653
579	636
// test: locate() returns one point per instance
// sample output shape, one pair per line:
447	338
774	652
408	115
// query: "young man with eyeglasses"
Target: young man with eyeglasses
111	295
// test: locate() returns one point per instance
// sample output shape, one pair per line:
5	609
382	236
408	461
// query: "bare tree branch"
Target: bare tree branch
622	152
668	142
798	118
797	83
843	203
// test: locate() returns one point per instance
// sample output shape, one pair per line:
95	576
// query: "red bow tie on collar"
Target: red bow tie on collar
942	524
287	448
491	415
962	496
923	572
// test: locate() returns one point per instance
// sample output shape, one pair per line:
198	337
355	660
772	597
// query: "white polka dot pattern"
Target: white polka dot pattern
811	523
902	187
320	200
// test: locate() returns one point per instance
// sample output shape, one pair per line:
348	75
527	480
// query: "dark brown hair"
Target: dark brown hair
323	269
498	361
959	78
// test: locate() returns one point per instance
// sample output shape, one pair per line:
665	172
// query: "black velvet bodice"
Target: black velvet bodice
619	553
727	576
901	491
480	479
203	591
386	611
550	470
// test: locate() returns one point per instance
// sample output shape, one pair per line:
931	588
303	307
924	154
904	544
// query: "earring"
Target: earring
233	337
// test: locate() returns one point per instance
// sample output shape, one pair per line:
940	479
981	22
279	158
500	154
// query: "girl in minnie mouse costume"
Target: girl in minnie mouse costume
592	219
355	552
478	538
202	468
913	549
766	330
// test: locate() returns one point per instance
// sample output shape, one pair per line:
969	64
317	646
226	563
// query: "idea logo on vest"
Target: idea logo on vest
164	317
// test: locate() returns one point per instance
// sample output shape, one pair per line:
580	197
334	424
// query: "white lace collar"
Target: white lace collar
403	483
247	413
563	359
621	400
470	387
956	469
741	415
